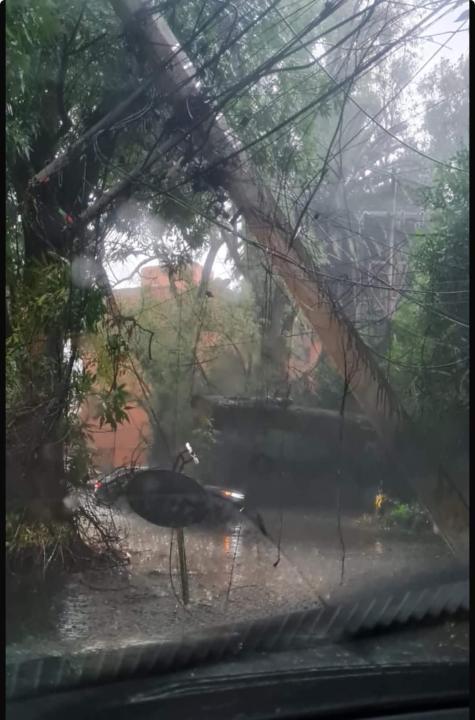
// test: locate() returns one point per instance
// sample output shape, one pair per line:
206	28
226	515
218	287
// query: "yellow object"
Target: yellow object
379	500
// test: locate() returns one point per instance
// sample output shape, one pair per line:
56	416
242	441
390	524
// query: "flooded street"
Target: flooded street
235	573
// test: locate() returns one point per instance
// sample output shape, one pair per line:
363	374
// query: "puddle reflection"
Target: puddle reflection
232	542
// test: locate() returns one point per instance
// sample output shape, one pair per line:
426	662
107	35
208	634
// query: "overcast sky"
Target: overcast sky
440	32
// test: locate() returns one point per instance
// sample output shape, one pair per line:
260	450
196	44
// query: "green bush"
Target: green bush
407	515
36	543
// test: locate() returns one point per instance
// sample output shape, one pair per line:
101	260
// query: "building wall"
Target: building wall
127	445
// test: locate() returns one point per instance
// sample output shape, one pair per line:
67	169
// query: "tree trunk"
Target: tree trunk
34	444
362	376
36	437
275	350
215	245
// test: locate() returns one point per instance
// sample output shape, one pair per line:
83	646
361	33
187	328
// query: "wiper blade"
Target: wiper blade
416	606
299	630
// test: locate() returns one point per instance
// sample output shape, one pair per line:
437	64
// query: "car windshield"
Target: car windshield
236	281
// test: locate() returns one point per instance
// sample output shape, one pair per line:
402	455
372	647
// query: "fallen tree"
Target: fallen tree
176	79
279	414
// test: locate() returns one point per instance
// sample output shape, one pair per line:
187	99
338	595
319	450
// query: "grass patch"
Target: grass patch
34	546
37	544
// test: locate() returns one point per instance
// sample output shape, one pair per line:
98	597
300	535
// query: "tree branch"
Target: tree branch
77	148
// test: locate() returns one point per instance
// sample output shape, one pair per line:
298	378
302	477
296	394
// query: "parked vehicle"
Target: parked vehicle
224	502
108	488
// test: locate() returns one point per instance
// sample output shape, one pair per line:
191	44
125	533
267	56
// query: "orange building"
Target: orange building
129	443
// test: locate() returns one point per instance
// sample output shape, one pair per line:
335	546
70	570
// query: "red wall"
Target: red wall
129	443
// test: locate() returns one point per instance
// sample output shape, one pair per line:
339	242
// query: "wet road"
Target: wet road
235	573
355	555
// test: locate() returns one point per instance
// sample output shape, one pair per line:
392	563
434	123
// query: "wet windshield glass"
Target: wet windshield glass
236	311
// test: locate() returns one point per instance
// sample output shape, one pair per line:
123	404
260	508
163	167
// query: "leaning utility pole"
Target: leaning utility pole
213	140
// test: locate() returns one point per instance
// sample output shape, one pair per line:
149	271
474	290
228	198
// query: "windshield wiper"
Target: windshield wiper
415	607
344	621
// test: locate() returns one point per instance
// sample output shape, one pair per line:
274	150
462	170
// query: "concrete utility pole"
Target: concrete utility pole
213	140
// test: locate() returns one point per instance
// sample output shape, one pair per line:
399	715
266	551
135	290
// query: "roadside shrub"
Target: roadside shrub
406	515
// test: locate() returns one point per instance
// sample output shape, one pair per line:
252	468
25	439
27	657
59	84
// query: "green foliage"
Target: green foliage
110	350
113	406
41	298
430	350
46	302
199	345
78	459
405	515
269	98
401	512
35	542
30	30
40	304
46	298
41	38
445	121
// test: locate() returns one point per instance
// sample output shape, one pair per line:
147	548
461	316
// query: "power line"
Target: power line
252	340
322	275
304	110
372	118
311	106
444	366
379	241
